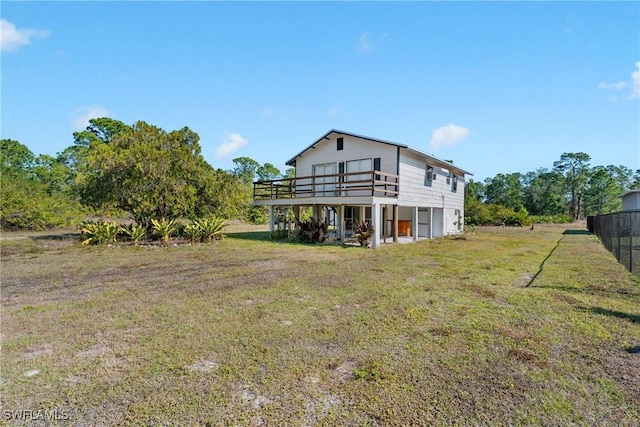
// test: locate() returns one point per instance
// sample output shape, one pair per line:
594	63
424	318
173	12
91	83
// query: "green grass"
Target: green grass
506	327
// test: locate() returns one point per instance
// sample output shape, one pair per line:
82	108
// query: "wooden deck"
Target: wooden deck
369	183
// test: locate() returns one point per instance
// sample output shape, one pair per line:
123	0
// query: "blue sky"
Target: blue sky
497	87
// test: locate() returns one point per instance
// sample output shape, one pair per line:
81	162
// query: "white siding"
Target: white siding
416	190
631	200
354	149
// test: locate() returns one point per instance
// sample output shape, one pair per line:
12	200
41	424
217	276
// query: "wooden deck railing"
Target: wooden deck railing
369	183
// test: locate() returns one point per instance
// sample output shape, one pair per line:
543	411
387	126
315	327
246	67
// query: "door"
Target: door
423	223
324	186
360	180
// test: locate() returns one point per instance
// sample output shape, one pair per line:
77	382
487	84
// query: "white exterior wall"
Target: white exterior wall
415	190
631	200
354	149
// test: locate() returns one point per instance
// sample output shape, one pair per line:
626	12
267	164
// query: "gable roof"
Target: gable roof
432	160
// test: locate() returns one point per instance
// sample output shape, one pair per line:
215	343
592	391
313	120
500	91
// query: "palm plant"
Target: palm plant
135	232
191	231
363	233
211	228
99	232
164	228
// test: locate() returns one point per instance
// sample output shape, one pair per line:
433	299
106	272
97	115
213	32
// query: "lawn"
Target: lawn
506	327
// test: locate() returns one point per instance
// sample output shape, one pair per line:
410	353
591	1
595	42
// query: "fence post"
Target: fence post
631	229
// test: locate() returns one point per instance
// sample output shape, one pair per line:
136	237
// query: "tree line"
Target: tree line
571	190
113	169
147	173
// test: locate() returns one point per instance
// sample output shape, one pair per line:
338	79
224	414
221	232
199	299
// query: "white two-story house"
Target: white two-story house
349	178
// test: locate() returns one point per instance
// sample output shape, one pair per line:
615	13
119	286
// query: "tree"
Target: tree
290	173
15	158
149	173
52	173
602	194
245	169
544	192
473	190
102	129
268	172
635	181
31	197
575	169
505	190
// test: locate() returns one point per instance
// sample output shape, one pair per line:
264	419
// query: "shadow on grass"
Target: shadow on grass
535	276
264	236
577	232
58	237
634	318
565	233
260	236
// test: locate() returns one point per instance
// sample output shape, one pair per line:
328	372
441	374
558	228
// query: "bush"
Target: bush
26	205
552	219
99	232
135	232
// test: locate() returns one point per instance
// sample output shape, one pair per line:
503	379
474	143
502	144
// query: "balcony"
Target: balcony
353	184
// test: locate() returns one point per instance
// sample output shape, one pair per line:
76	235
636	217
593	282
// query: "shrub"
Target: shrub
135	232
164	229
99	232
363	233
211	228
191	231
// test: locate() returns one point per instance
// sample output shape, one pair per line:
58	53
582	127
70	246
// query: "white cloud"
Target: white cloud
12	39
634	85
334	111
447	135
612	86
366	44
81	116
232	142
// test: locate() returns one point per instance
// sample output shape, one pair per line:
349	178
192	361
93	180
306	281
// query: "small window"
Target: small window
376	166
430	175
340	144
454	186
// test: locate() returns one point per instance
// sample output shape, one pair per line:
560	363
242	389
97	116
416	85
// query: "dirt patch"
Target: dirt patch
524	280
345	371
94	352
204	365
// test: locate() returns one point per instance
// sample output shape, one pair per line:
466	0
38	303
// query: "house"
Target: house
349	178
631	200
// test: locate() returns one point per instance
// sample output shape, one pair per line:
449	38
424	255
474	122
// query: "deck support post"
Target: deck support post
340	223
394	227
271	218
375	220
414	223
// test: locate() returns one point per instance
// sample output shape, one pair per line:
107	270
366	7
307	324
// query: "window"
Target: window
449	178
376	166
430	175
324	185
454	186
340	144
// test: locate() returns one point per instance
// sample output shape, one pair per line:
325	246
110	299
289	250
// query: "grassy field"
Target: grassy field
506	327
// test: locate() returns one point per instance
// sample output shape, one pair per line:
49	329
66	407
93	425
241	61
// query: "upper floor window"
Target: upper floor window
340	144
454	186
431	176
